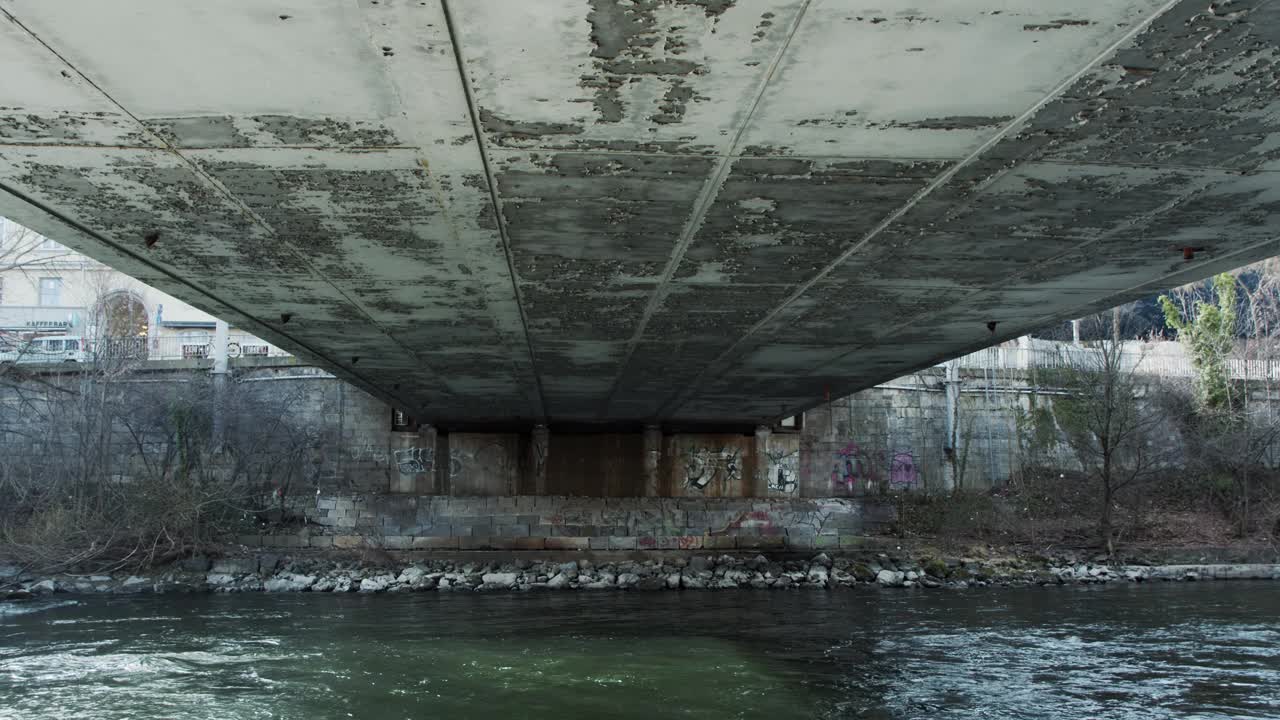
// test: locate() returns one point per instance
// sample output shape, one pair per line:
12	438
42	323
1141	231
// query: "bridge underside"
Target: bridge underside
683	211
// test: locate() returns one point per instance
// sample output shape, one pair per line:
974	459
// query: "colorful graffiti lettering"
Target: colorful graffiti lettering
851	467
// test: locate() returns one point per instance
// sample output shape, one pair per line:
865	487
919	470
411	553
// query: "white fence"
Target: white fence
1165	359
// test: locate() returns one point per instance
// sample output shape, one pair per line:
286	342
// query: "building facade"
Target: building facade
48	289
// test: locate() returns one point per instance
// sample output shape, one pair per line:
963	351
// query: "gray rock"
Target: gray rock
818	574
43	587
890	578
560	580
376	584
235	566
822	559
626	580
691	581
220	579
411	575
673	580
289	582
502	581
699	564
653	583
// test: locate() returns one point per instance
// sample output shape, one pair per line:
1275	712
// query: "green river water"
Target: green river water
1148	651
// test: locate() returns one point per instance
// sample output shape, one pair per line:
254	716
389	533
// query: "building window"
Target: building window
402	422
47	245
1	291
50	291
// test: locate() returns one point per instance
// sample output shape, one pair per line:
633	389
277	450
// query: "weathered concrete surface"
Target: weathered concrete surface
671	211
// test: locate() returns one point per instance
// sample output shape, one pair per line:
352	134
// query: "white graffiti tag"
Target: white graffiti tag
782	471
415	460
702	465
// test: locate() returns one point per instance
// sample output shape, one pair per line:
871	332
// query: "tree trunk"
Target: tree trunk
1104	525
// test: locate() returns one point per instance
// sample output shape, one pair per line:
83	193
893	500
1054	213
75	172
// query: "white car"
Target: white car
47	349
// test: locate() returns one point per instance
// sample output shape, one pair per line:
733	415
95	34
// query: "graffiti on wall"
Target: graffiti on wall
703	465
852	468
903	474
368	453
413	461
784	471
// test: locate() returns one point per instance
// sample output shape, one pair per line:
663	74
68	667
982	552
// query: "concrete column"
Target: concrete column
761	485
652	460
443	479
541	449
219	384
425	483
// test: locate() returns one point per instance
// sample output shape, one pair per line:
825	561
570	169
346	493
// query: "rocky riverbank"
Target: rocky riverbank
276	573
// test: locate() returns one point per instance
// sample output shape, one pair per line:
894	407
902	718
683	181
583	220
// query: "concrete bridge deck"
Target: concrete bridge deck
660	211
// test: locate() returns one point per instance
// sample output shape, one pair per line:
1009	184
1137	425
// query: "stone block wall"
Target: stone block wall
890	438
544	522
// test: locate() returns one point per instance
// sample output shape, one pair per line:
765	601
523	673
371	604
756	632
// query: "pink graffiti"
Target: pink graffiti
850	468
902	471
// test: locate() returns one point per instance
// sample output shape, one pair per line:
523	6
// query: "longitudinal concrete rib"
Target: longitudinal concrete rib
702	205
914	318
302	258
495	200
678	400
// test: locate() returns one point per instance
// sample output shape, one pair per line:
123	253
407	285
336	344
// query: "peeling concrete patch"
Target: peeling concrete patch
217	131
505	131
287	130
1057	25
630	44
68	128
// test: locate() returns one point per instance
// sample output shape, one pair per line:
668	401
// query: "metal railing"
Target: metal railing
238	346
1166	359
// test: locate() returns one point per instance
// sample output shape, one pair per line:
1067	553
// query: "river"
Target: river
1207	650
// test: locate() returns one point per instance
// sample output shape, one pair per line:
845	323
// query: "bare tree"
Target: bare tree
1108	430
109	470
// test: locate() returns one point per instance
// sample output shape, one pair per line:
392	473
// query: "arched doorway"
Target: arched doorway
122	326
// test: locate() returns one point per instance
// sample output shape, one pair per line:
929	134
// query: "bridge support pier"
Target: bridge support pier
652	460
540	448
426	483
760	486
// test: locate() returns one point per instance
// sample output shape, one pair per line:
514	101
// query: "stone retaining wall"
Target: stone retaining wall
529	522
